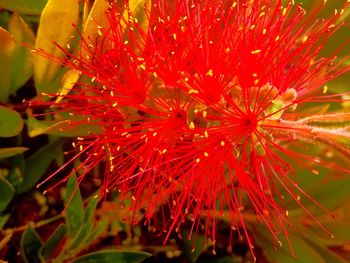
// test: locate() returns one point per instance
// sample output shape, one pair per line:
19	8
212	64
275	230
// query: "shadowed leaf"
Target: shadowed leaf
30	246
6	193
51	244
107	256
37	164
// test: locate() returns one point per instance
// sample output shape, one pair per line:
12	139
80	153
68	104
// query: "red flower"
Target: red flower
199	108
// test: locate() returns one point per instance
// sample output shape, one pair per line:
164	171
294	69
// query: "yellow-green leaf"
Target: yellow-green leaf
22	58
86	10
36	127
137	8
55	26
63	128
11	122
28	7
12	151
7	47
95	20
69	79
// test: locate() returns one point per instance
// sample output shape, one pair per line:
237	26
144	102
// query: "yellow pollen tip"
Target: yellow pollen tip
305	38
210	73
193	91
255	52
315	172
192	126
284	12
325	89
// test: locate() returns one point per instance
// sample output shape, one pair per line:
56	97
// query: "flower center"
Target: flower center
249	123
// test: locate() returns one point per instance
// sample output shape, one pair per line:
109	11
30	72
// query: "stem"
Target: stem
32	224
337	138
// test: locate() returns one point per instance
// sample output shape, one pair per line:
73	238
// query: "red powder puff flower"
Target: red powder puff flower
198	107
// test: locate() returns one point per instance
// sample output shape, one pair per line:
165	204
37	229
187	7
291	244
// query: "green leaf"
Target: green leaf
325	253
90	209
108	256
340	231
30	246
28	7
22	58
303	252
332	195
9	152
55	25
85	231
78	242
193	249
7	47
37	164
51	244
75	207
6	193
11	123
98	230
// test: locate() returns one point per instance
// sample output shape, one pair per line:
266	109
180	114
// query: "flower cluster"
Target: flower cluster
197	102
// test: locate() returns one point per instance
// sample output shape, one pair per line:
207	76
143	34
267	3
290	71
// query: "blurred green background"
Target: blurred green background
33	227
